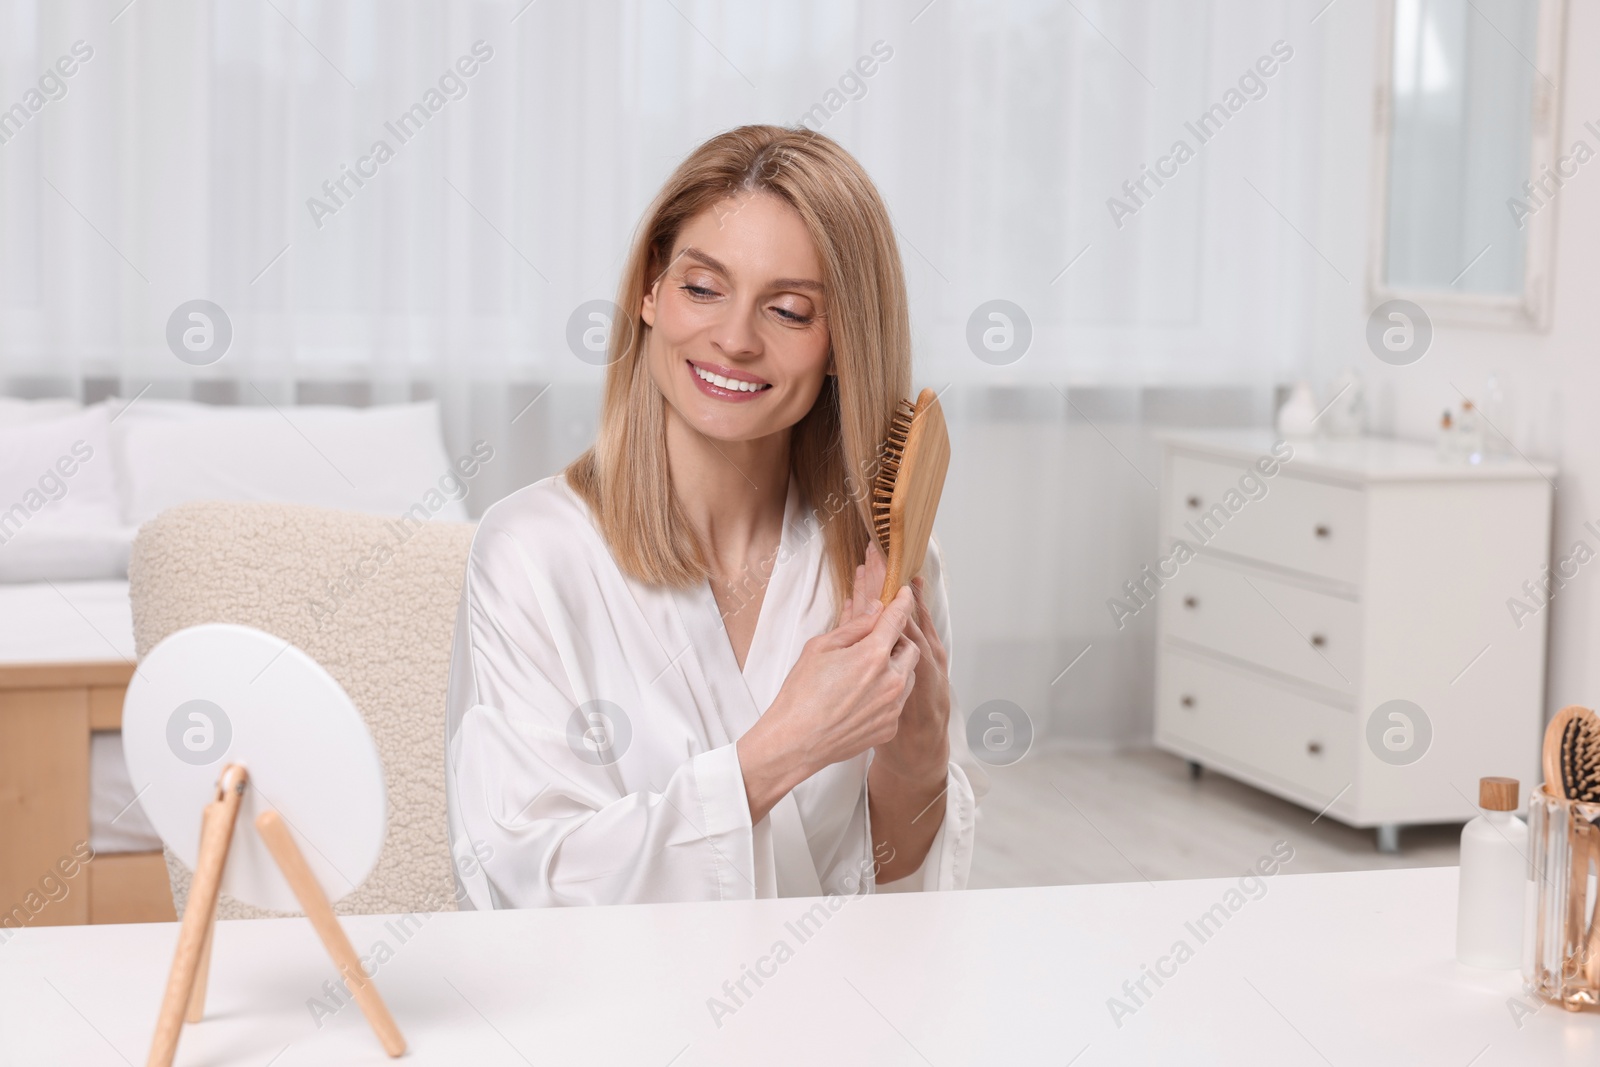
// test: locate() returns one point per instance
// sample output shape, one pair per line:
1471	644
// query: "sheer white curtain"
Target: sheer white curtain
177	163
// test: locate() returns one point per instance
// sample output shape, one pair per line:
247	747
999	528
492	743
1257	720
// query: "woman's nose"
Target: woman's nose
736	335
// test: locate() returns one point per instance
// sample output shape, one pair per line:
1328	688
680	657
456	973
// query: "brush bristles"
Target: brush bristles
1580	758
894	451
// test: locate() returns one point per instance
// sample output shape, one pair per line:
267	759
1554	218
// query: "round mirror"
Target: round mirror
218	694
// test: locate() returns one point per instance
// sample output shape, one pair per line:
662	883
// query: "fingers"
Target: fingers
854	624
925	620
905	655
889	625
916	633
861	596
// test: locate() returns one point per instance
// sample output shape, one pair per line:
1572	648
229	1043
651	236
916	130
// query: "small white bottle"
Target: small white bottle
1297	418
1494	868
1497	416
1447	438
1469	433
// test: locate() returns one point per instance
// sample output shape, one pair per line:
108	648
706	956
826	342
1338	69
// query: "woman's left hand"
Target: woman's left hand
920	748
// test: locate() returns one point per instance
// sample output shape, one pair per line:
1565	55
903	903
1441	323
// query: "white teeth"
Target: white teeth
733	385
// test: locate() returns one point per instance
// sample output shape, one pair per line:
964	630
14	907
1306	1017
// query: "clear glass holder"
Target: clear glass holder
1561	943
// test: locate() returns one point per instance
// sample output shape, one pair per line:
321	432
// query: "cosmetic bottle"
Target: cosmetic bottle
1494	870
1469	433
1498	419
1447	438
1297	417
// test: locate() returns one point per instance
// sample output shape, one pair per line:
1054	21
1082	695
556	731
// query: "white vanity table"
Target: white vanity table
1370	571
1320	968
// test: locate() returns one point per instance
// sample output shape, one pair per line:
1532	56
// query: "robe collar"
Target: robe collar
741	696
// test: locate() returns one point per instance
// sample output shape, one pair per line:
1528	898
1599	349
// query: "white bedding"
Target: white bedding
381	460
82	622
116	822
65	622
35	554
75	482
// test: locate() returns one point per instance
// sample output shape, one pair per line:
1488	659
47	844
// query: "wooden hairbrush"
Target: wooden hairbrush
1571	759
1572	755
905	494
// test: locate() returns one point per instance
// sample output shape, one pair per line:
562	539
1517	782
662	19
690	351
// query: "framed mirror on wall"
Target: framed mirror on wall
1468	167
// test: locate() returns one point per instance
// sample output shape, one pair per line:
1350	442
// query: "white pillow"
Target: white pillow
58	474
66	554
140	409
14	412
381	460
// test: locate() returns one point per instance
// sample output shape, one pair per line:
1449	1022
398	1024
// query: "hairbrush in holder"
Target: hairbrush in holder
905	493
1571	764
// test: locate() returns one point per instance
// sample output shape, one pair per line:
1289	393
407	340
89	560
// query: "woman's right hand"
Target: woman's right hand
842	697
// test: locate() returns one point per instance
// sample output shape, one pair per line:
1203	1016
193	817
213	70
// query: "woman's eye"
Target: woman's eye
699	292
790	316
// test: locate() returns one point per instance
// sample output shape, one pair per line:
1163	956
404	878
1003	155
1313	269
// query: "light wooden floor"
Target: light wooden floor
1064	816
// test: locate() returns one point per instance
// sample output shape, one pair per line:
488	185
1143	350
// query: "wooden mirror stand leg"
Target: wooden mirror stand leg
314	902
199	916
185	996
197	995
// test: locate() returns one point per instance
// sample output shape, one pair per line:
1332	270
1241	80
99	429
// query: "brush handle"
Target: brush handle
1550	752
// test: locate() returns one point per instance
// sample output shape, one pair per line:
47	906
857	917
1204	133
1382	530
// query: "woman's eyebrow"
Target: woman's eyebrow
695	254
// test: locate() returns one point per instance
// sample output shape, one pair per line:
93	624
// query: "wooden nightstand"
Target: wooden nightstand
47	713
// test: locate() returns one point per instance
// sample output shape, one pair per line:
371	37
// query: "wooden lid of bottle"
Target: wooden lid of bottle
1497	794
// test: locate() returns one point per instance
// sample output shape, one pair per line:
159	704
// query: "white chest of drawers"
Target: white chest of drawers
1358	573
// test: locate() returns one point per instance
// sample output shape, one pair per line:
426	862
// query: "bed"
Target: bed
66	803
76	482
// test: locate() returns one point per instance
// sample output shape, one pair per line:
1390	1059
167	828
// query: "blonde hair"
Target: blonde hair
834	448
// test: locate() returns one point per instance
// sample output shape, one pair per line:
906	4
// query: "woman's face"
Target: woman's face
738	339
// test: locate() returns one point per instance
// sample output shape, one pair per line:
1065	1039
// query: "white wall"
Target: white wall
1553	378
1047	511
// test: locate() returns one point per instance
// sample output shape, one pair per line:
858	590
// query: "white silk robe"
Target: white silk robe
547	625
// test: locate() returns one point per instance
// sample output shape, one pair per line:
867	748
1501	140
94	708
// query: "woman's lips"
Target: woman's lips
724	383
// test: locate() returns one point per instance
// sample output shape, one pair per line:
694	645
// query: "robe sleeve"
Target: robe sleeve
533	822
949	860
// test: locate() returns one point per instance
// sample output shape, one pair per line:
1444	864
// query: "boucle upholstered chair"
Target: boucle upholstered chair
370	598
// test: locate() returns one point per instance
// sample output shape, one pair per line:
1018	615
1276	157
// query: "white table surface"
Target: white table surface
1324	969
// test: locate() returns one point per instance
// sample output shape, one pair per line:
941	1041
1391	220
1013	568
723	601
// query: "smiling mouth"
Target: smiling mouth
727	383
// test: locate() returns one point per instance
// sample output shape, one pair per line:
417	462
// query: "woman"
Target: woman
672	679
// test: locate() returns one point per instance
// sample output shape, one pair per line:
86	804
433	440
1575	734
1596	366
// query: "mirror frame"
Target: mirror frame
1530	309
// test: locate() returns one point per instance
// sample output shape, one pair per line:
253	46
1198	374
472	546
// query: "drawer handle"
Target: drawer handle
1190	602
1317	640
1314	747
1323	531
1193	502
1186	700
